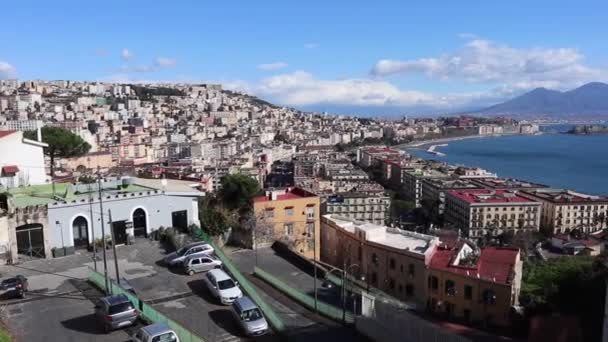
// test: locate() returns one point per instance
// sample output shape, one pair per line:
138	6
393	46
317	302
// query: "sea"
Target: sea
554	158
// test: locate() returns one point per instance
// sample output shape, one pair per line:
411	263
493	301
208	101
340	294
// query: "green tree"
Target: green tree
237	192
62	144
212	221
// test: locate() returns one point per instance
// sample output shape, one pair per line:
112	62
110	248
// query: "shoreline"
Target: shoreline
425	144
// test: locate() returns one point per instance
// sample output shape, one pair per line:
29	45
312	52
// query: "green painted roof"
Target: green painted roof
43	194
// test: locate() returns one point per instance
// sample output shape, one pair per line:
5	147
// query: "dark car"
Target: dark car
14	287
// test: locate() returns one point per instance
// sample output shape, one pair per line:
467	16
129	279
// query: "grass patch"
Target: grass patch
4	335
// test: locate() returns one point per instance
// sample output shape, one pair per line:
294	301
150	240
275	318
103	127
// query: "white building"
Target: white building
21	160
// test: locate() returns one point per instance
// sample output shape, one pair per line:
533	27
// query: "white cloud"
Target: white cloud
7	71
165	62
301	88
486	62
125	54
311	45
273	66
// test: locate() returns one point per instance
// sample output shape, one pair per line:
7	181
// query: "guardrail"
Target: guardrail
273	318
147	311
323	308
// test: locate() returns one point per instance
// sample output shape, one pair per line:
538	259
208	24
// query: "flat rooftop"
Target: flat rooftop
563	196
283	195
507	183
451	183
501	196
22	197
391	237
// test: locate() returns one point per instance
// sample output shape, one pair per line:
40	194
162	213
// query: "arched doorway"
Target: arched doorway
80	228
30	240
140	224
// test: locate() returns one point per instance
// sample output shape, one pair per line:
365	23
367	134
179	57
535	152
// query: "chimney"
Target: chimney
39	133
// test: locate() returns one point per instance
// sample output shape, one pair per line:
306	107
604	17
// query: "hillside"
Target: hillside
589	100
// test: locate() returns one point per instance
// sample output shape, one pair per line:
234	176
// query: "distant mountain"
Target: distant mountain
587	101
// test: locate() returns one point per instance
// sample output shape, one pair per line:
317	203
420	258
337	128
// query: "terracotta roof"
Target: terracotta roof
494	263
10	169
489	196
5	133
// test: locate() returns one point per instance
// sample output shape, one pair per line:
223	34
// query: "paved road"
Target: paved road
178	296
303	325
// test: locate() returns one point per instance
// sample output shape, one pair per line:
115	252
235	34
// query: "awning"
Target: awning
9	170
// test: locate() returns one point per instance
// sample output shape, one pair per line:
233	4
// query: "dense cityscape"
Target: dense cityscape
328	222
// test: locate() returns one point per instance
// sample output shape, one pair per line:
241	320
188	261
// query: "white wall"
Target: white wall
28	157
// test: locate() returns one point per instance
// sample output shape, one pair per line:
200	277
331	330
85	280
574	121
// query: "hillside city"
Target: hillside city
327	222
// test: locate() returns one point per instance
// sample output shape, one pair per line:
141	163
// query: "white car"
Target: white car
157	332
222	286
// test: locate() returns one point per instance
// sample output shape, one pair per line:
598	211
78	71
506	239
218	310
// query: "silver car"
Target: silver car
198	248
249	317
157	332
197	263
116	312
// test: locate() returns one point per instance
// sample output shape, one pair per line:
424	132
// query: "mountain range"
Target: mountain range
587	101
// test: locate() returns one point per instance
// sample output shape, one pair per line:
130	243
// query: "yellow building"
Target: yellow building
567	210
290	216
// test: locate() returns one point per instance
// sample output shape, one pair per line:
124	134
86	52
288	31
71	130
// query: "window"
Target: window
374	279
433	283
450	288
289	211
359	253
400	288
310	213
468	292
269	213
392	264
288	229
409	290
310	229
374	258
195	261
489	296
391	283
411	269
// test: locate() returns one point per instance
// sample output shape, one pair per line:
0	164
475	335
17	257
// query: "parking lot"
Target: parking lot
60	305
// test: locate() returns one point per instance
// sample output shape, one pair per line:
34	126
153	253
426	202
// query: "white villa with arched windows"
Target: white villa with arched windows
41	225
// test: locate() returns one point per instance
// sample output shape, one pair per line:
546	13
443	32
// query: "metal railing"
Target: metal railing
148	312
325	309
272	317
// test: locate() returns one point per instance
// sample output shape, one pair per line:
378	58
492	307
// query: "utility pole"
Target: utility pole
114	246
92	228
315	266
103	234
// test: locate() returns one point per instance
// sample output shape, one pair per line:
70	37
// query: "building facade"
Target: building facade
389	259
472	285
565	210
21	160
290	216
362	207
477	212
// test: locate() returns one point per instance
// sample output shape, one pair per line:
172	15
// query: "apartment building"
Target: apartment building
434	189
564	210
474	285
389	259
477	212
507	184
413	179
368	157
358	206
290	216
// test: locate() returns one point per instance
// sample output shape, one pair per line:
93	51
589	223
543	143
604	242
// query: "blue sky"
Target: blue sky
373	56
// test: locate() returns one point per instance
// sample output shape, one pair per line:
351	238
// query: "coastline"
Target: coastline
425	144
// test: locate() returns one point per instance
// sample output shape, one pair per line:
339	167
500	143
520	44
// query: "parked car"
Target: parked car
157	332
197	263
116	312
14	287
249	317
198	248
222	286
